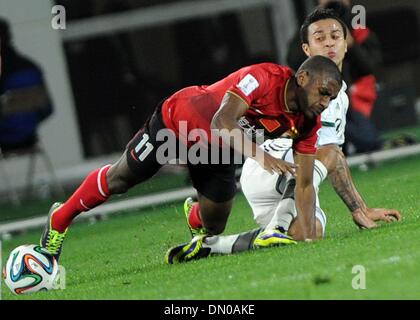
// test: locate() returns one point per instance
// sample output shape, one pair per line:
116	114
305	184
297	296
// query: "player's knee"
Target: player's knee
117	186
117	182
214	215
319	229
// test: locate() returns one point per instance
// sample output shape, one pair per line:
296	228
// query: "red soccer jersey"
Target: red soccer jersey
262	87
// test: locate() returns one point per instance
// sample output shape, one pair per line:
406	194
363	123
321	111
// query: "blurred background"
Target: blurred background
117	59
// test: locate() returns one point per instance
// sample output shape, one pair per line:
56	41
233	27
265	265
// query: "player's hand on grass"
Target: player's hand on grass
274	165
362	221
380	214
365	219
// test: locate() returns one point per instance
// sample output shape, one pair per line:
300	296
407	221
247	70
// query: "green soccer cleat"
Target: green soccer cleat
272	238
51	239
193	250
188	204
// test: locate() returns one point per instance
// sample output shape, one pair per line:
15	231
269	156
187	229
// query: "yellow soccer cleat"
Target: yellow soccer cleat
51	239
188	205
272	238
193	250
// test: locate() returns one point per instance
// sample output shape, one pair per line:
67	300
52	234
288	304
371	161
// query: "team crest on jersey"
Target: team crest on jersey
248	84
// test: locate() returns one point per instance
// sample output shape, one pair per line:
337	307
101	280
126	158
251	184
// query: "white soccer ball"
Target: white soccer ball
30	268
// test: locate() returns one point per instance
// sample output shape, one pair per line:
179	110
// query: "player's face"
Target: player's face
314	95
326	38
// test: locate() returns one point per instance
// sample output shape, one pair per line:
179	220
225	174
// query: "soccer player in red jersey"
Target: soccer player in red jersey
266	96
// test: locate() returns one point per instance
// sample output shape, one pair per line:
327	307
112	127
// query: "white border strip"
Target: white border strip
1	270
181	194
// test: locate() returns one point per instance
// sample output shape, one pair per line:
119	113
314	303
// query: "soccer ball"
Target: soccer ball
30	268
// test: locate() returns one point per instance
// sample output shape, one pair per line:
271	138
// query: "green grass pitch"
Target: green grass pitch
122	257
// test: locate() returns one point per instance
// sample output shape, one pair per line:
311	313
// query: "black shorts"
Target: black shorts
214	181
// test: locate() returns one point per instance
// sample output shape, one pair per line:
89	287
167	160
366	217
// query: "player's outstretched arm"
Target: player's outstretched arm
332	158
305	198
226	122
342	182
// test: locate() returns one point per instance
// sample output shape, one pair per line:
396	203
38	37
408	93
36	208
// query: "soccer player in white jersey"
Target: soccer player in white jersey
271	197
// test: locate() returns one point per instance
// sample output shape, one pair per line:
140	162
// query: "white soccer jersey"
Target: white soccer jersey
334	120
264	191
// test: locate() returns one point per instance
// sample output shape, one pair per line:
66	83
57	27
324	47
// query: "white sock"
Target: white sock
284	214
320	173
220	244
232	244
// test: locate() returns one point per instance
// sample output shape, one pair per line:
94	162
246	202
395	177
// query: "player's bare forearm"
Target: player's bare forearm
333	158
305	207
225	121
343	185
305	198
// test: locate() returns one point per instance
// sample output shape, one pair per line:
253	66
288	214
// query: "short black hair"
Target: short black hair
342	11
322	66
317	15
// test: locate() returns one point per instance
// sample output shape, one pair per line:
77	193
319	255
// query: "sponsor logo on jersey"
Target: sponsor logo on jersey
256	135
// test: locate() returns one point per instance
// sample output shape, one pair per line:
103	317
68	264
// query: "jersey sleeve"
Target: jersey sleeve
328	116
251	83
307	143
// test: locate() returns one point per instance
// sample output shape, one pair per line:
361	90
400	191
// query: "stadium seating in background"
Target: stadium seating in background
32	152
24	105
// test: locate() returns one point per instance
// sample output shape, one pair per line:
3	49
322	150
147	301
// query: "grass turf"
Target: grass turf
122	258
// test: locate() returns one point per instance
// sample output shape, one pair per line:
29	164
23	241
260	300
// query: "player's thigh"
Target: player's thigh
262	190
144	156
216	182
255	180
263	209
